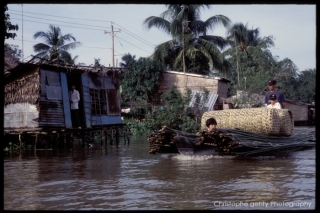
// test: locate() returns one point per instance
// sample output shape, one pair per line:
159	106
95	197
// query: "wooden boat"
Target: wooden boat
228	142
185	147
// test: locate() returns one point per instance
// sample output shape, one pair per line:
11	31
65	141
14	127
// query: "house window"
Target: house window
98	102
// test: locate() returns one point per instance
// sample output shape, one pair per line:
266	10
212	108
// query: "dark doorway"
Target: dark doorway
76	80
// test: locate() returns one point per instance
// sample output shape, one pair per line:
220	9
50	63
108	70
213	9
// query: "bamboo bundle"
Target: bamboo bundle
266	121
286	122
161	142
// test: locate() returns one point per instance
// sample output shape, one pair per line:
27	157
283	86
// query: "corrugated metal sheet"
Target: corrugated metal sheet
20	115
209	103
51	111
54	92
100	82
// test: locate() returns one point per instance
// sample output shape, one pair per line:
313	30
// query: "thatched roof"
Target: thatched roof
23	69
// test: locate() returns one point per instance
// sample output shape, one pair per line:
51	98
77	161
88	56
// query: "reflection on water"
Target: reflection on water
129	178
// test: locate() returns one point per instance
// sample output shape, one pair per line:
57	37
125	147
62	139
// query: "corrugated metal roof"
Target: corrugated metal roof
197	75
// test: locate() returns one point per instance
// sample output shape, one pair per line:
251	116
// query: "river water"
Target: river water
127	177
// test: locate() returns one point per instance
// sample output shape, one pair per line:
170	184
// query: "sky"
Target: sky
293	27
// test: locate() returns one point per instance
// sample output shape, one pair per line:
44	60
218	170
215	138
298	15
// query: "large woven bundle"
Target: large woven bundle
286	121
257	120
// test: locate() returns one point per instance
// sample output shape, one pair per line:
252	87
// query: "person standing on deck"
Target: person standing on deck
74	97
273	91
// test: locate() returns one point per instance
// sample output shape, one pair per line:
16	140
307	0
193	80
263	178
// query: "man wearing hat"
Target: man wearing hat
273	102
272	91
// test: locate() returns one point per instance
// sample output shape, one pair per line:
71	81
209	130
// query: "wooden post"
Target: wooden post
20	141
111	141
105	138
35	142
101	137
117	136
127	134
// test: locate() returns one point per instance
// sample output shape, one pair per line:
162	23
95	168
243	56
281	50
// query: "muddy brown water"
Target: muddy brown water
127	177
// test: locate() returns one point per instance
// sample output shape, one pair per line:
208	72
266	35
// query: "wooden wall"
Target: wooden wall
299	112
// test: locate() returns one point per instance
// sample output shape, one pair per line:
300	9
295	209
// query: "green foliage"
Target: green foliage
127	59
14	147
306	86
138	128
12	56
249	55
13	51
97	62
190	38
175	114
141	80
8	26
301	88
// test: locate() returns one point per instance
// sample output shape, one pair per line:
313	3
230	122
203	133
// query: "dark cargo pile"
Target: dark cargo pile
227	142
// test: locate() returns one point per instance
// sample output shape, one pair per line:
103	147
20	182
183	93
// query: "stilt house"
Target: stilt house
37	96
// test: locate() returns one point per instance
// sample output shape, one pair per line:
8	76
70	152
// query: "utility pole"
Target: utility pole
235	45
183	60
22	57
183	63
112	33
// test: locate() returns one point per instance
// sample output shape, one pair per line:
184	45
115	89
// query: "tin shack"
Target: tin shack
36	99
217	87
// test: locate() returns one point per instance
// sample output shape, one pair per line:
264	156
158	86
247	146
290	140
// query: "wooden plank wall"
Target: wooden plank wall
299	112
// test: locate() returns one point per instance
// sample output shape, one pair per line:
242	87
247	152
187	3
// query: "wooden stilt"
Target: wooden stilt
57	140
111	140
106	137
20	141
101	137
35	142
127	134
117	136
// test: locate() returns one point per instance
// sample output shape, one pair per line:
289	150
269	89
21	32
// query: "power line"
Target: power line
63	22
123	29
85	29
103	48
134	35
131	44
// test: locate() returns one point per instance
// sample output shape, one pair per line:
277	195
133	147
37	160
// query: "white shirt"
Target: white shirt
275	106
75	98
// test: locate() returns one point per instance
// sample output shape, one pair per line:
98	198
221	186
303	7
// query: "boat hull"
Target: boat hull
185	147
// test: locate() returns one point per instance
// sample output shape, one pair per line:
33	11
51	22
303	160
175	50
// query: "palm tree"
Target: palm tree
242	39
190	41
127	59
8	26
55	47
